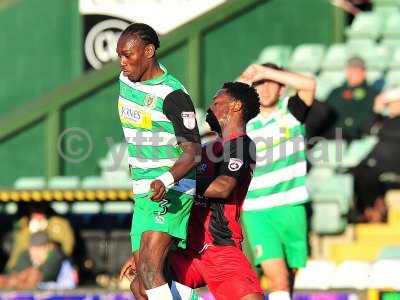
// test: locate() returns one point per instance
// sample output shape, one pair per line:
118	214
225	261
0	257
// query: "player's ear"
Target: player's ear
149	50
237	106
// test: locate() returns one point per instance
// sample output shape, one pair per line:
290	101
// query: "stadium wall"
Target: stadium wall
57	57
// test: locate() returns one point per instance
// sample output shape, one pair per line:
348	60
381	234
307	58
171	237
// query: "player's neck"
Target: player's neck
232	131
265	111
153	71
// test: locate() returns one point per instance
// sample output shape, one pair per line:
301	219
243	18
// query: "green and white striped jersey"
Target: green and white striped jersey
155	116
280	174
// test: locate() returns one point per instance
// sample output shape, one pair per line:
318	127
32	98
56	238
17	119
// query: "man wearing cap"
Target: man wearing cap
40	263
353	101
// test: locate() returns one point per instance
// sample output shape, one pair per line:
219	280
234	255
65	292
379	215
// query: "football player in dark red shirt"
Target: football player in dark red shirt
214	255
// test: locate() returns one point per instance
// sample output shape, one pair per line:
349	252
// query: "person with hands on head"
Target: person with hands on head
274	214
159	124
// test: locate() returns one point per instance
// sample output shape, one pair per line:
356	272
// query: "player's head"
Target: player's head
269	91
355	71
136	49
235	103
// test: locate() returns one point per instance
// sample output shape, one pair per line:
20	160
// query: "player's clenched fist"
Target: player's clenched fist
158	188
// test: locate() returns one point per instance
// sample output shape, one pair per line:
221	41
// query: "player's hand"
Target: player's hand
379	103
254	73
128	270
158	189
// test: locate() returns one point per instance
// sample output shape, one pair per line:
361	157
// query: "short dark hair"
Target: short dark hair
145	32
247	95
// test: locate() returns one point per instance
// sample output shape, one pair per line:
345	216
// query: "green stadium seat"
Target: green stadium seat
392	44
119	183
392	25
307	58
385	11
365	25
392	79
327	153
93	182
359	47
374	75
378	58
335	58
64	182
395	63
327	81
30	183
384	3
358	150
326	218
116	158
120	207
390	252
86	208
279	54
338	188
61	208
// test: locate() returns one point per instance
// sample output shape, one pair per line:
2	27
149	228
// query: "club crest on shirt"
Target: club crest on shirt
189	119
234	164
150	101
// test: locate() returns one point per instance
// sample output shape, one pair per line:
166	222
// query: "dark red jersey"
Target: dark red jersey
216	221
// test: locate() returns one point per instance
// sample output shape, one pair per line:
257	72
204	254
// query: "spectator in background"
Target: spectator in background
380	170
352	102
40	263
353	7
39	217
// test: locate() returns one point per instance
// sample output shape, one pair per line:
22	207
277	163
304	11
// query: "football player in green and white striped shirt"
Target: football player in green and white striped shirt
159	124
274	216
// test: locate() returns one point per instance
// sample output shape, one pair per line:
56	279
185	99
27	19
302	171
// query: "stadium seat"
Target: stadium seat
392	79
30	183
328	153
118	183
385	274
307	58
390	252
327	81
395	63
352	274
64	182
377	58
392	25
374	75
93	182
354	251
392	44
335	58
114	207
86	208
61	208
316	275
327	218
279	54
358	47
116	158
358	150
365	25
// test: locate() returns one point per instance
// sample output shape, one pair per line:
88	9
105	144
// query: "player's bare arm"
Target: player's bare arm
188	160
304	85
221	187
